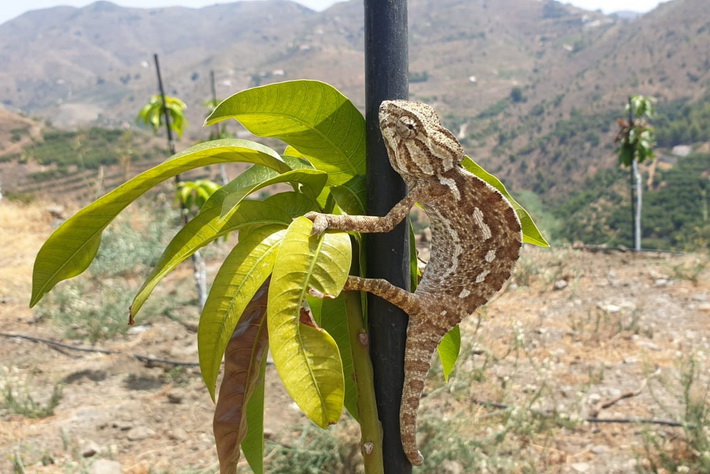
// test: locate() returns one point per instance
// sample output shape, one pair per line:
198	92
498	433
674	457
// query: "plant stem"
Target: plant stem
370	427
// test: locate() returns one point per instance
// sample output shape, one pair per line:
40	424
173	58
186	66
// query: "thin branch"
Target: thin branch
674	424
148	360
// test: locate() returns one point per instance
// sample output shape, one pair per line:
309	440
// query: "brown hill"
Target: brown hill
532	87
16	132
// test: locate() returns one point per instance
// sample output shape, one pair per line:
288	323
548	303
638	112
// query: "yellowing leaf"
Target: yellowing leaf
244	270
306	356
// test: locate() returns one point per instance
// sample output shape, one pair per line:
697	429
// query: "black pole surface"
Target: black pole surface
386	71
166	113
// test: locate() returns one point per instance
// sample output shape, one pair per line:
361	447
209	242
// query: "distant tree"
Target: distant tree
516	95
635	141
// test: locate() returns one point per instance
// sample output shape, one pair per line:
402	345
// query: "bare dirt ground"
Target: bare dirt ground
574	333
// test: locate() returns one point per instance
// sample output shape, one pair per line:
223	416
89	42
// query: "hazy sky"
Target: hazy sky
11	8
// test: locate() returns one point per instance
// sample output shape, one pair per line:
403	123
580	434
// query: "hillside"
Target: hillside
532	88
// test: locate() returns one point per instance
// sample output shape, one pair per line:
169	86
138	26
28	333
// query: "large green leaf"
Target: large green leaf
311	116
306	356
531	234
244	270
72	247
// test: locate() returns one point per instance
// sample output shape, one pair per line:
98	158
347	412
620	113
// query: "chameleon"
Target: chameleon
476	238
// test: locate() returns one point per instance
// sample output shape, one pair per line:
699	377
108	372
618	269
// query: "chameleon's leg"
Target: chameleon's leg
366	224
403	299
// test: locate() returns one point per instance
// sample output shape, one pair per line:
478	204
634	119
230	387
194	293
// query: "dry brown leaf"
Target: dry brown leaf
242	360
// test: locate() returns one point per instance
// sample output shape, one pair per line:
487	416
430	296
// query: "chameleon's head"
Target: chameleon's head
417	144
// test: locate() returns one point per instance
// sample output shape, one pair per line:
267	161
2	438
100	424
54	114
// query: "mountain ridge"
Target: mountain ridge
532	87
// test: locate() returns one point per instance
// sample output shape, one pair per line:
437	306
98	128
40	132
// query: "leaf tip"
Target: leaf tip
34	299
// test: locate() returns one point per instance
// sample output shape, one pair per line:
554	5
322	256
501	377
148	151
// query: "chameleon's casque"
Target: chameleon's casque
476	240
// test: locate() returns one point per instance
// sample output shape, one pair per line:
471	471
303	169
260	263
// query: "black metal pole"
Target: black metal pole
166	114
386	71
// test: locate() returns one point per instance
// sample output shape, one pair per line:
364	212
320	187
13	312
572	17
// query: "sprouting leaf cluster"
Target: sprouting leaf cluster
192	195
152	114
636	138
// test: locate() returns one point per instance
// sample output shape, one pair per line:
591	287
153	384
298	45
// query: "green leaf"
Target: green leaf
448	350
311	116
531	234
253	444
72	247
352	196
313	179
202	230
207	226
334	320
292	203
244	270
306	356
414	273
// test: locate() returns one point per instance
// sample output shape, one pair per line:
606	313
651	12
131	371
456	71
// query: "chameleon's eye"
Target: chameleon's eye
406	126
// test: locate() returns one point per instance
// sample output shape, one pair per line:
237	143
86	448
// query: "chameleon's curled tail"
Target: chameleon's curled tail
422	340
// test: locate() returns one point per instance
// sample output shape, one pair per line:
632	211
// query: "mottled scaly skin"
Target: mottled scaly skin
476	240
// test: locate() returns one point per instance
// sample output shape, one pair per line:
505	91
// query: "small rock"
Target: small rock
178	434
138	329
609	308
661	282
600	449
704	307
700	297
89	449
140	432
560	284
122	425
175	397
106	466
57	212
581	467
559	352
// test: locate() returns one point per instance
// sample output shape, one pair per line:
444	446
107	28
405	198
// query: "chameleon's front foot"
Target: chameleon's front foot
320	222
